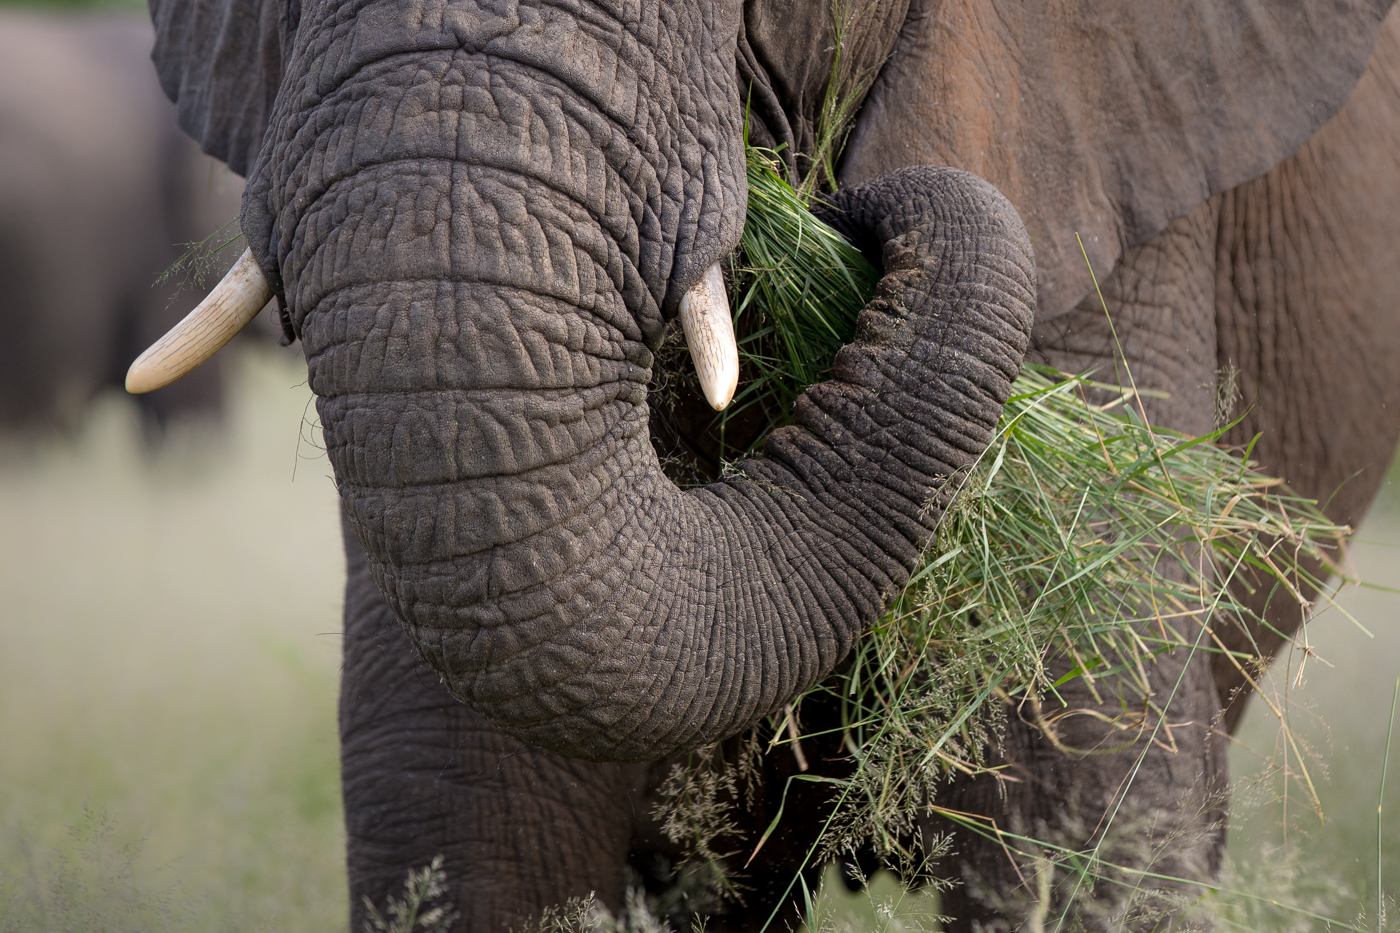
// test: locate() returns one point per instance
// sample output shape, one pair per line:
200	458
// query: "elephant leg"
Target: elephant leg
1105	799
1284	287
1308	272
519	829
1133	780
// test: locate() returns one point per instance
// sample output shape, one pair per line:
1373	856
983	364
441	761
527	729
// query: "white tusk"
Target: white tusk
230	307
709	332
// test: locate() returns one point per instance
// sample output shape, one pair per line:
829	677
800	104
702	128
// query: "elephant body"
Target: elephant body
483	217
86	229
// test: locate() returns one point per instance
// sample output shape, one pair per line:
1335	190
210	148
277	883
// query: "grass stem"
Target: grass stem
1380	804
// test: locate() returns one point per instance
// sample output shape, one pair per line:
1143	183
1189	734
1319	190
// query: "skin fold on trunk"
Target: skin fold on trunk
479	303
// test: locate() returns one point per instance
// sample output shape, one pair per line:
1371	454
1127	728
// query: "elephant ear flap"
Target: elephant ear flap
1109	118
220	61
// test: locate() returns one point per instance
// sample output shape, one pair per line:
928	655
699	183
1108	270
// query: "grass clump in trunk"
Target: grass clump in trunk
797	288
1084	544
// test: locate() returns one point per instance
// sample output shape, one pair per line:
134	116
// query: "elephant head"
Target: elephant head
480	217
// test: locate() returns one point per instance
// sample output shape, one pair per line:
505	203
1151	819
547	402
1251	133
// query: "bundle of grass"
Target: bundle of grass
796	290
1082	535
1083	541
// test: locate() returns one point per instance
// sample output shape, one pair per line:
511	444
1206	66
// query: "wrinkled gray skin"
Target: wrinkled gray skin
97	187
481	218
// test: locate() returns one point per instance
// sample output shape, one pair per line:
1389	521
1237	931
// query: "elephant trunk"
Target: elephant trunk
481	218
489	434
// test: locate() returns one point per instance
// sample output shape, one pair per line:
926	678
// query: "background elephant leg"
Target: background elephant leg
423	775
1132	790
1308	274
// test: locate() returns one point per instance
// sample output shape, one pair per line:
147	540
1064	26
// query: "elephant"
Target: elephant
87	227
480	220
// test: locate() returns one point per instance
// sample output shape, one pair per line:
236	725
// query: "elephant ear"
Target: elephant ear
1108	119
220	61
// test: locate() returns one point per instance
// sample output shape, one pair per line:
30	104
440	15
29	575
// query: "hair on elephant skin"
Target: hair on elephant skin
482	218
99	190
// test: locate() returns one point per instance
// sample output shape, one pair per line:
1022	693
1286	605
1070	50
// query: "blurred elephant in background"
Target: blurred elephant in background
483	216
99	190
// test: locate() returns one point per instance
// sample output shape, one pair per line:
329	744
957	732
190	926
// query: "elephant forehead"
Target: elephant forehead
431	161
477	110
431	222
631	129
592	46
539	88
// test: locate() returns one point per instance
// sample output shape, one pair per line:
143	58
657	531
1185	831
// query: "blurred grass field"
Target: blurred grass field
1341	715
169	656
168	677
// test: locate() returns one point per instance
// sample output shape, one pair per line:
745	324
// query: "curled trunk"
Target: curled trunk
481	221
516	517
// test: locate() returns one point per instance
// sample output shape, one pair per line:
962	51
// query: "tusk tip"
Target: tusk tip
140	379
721	392
230	307
135	384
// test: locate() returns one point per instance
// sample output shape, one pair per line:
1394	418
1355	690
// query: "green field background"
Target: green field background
168	662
